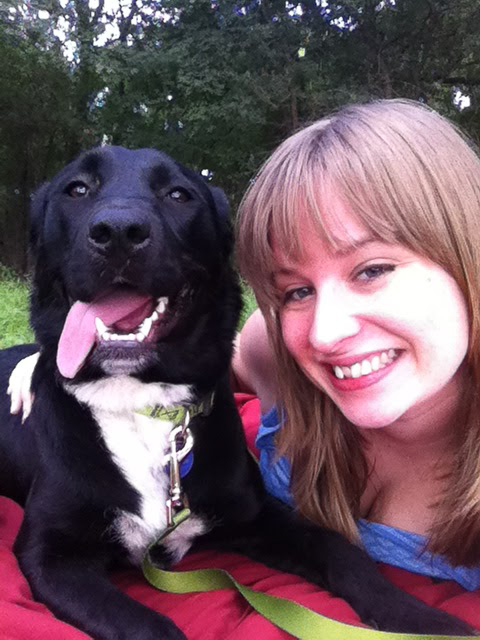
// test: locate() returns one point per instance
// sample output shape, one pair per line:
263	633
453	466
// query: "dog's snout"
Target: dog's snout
109	232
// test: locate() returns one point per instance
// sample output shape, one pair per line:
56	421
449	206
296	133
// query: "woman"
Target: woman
361	239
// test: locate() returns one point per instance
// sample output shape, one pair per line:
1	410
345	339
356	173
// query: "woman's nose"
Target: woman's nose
334	319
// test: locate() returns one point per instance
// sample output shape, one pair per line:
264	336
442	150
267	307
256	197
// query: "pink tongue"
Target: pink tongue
79	332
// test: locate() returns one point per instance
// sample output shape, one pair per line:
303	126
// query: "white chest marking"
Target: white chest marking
138	445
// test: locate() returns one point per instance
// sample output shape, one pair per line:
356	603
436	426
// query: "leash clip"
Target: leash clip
181	443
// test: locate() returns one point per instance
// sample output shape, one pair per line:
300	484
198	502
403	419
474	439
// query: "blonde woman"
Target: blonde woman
361	239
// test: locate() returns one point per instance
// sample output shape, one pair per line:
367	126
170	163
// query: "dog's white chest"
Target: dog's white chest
138	446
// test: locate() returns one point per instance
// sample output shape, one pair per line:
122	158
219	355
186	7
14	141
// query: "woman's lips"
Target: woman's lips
366	379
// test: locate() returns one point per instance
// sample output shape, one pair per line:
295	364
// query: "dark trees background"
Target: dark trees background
215	83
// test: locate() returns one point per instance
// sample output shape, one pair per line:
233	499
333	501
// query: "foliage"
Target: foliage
249	304
14	327
215	83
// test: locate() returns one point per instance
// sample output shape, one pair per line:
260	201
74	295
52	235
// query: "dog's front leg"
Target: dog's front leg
71	580
284	541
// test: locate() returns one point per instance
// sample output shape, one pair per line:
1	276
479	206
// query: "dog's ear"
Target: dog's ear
225	224
37	215
221	201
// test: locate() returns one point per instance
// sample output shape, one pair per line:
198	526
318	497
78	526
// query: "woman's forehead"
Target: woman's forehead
331	224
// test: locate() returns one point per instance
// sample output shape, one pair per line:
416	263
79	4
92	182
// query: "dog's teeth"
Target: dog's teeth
162	305
126	337
139	337
106	335
154	316
100	326
146	326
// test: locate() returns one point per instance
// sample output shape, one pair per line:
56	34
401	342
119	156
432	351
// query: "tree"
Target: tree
34	101
215	83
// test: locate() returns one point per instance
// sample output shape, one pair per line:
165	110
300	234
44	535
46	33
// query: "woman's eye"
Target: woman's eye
77	189
297	295
374	271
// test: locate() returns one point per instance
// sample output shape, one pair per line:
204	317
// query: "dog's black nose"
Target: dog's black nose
109	232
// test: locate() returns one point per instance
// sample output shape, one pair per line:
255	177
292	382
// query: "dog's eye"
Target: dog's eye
179	195
77	189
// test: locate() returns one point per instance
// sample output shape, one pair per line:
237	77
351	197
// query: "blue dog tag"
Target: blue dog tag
186	465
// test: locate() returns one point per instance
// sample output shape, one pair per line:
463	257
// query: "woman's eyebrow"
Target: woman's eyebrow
340	249
283	271
343	249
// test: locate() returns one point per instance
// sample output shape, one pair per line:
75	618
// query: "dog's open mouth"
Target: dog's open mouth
134	327
120	323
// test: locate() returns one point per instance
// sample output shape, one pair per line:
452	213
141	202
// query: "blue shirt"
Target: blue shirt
382	543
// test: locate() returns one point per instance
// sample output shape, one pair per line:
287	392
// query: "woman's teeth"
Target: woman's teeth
367	366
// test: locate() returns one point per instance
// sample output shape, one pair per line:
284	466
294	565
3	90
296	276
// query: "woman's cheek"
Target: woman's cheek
295	330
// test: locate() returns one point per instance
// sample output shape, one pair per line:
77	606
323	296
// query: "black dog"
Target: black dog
135	305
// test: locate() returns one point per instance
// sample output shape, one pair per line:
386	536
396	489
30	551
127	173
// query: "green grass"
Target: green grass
14	321
249	304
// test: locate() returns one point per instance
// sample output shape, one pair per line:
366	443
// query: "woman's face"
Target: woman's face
380	329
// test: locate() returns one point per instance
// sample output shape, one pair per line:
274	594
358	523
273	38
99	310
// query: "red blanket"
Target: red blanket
205	616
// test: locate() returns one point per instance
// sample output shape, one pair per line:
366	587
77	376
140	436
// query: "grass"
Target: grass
249	304
14	321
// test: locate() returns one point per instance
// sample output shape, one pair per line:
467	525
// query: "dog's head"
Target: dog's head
132	269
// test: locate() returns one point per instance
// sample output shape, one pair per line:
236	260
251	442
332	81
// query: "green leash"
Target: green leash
297	620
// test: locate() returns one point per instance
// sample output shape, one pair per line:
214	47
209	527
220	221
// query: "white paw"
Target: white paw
21	397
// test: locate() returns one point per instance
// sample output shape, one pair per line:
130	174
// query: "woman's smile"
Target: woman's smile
364	371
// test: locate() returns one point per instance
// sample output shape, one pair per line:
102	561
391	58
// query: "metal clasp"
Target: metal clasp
181	443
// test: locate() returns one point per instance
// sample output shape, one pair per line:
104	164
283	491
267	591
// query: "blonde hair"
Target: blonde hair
412	178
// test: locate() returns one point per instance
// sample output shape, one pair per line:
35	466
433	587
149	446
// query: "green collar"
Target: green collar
180	414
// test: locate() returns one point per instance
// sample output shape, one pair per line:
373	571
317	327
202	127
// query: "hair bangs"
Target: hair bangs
285	193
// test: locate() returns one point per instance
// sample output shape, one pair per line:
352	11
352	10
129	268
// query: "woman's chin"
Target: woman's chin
371	418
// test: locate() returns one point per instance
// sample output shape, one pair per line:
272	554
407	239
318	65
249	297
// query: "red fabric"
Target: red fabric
204	616
250	412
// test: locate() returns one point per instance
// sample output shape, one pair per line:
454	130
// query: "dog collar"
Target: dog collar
181	414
